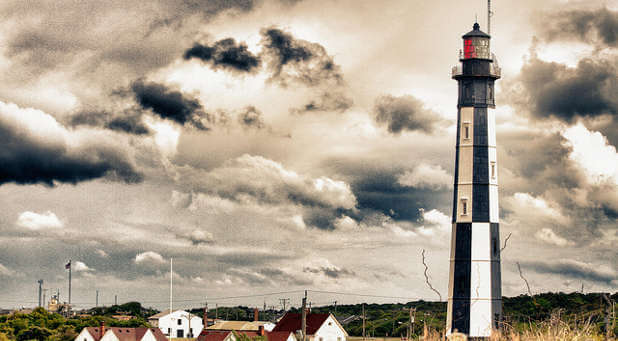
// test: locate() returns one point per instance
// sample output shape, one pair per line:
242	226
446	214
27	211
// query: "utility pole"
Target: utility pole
364	337
283	302
97	300
411	327
216	311
171	281
335	307
115	299
40	281
304	317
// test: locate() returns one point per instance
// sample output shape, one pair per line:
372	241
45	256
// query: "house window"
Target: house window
493	170
466	130
169	331
180	333
179	322
464	206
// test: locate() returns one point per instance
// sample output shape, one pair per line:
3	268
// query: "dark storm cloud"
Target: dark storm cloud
251	117
170	104
591	26
404	113
225	54
332	272
291	59
328	101
129	122
66	30
574	269
379	190
30	159
554	90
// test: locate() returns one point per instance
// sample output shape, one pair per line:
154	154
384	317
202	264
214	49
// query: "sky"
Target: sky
278	146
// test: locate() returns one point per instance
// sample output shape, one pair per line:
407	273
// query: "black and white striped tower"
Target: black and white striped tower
475	298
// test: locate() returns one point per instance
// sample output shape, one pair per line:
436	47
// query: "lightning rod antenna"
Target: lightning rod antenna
489	14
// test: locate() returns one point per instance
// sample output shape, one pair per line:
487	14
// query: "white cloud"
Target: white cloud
4	271
38	221
255	179
102	253
525	205
81	266
593	154
149	257
200	236
426	176
549	236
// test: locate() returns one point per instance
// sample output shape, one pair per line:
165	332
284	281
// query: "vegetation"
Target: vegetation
43	325
548	316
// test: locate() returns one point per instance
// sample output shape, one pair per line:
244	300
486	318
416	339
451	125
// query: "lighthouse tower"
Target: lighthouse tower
475	298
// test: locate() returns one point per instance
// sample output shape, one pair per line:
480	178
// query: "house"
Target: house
320	327
228	335
102	333
178	323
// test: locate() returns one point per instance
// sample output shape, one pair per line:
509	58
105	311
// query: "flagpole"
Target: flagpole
171	281
70	266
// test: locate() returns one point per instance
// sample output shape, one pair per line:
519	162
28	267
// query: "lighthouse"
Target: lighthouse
475	298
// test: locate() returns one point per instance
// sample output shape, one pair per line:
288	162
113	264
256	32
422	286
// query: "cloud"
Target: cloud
296	60
332	271
550	89
591	151
130	121
38	149
426	176
171	104
4	271
549	236
101	253
575	269
404	113
251	117
35	221
331	101
149	257
257	179
590	26
225	54
198	237
81	267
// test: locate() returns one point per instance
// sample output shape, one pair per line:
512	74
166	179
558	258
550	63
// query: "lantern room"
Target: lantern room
476	44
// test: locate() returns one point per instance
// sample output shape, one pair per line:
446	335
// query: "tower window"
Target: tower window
493	170
494	245
464	206
490	92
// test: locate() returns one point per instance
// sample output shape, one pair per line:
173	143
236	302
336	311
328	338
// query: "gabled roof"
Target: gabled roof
292	322
127	334
213	335
279	336
237	325
163	313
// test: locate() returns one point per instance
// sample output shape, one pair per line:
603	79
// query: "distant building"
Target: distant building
179	323
242	326
123	317
102	333
320	327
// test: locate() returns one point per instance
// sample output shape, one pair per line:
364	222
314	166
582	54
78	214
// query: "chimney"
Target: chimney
261	330
102	330
255	314
205	317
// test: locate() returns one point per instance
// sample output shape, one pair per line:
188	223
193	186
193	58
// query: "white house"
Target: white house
320	327
179	323
120	334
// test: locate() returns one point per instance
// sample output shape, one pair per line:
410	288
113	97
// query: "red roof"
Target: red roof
278	336
213	335
291	322
127	334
